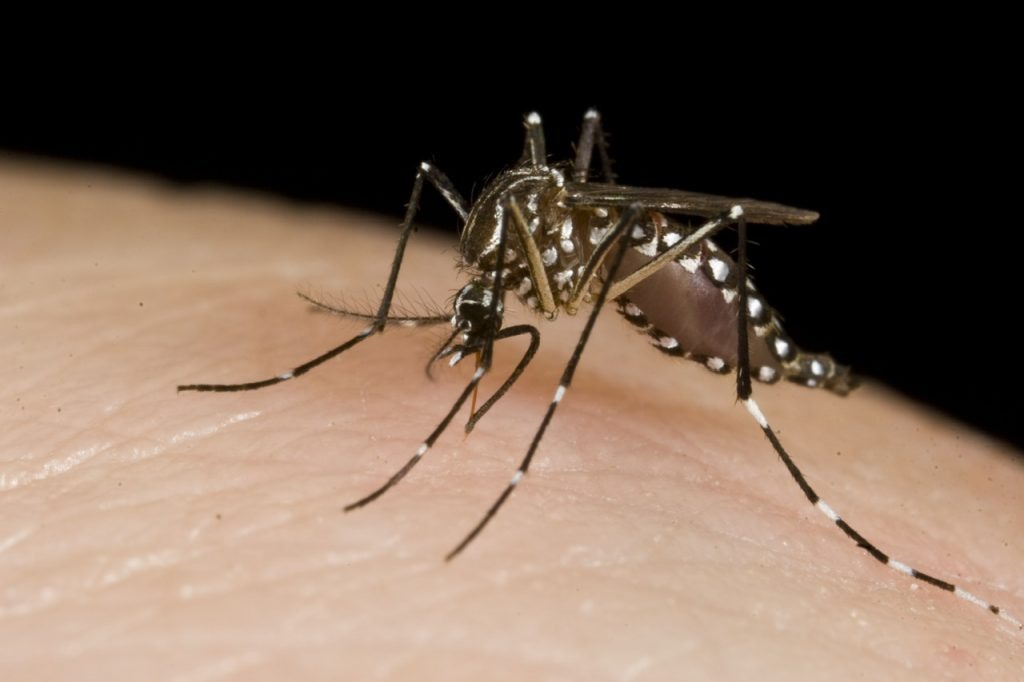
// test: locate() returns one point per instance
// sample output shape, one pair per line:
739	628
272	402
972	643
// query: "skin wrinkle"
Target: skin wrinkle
657	530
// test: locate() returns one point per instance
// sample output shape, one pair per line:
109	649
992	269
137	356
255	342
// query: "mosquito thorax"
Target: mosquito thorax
533	191
558	236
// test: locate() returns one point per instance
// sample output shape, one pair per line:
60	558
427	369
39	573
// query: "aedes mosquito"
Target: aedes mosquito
555	239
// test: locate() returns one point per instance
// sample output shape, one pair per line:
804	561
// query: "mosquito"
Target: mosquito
557	240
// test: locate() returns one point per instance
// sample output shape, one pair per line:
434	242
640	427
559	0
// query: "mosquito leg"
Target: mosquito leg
512	378
426	445
534	151
626	222
481	341
380	320
594	263
592	133
744	393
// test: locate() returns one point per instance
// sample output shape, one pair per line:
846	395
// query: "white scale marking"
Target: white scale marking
817	368
531	203
422	450
689	263
633	311
638	232
533	118
827	510
715	363
755	412
597	234
525	286
549	256
285	376
754	307
766	374
719	269
900	566
568	246
671	239
516	478
964	594
781	347
650	249
567	228
729	295
736	212
559	394
563	278
668	342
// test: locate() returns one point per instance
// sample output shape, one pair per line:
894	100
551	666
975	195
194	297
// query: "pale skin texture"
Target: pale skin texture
146	534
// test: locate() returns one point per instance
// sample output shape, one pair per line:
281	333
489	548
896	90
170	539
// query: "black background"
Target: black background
911	275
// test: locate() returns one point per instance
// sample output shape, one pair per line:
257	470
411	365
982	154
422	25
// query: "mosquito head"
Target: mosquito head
476	315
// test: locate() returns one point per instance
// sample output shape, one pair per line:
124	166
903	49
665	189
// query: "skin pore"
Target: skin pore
147	534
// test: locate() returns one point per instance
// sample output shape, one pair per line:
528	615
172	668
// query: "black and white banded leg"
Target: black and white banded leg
744	392
481	371
379	321
627	220
479	341
592	135
534	149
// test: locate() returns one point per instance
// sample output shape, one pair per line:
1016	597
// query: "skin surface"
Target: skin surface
146	534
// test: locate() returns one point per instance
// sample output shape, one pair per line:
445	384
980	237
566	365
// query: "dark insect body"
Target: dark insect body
557	240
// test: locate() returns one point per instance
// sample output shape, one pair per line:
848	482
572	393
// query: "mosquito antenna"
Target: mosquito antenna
443	185
403	320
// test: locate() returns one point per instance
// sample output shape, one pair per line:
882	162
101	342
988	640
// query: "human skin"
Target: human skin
150	534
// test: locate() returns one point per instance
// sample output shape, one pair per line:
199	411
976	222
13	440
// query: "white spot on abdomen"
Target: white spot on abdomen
719	269
689	263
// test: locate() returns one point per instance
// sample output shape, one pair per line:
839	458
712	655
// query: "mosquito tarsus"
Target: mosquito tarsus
557	239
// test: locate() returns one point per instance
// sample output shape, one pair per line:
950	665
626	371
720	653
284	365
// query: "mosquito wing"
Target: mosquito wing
599	194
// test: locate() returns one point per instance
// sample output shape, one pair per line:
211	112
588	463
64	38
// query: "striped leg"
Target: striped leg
459	402
444	186
744	393
481	342
592	134
628	219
